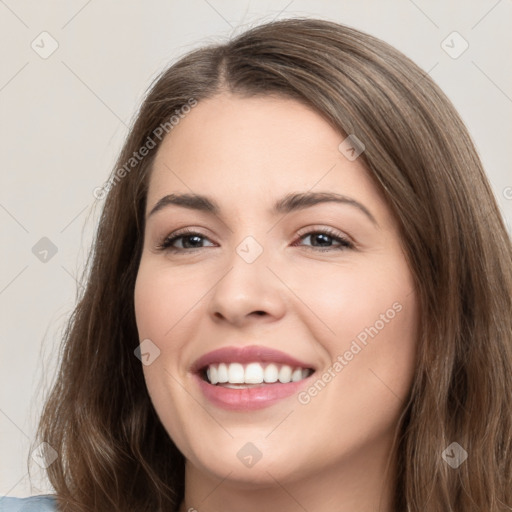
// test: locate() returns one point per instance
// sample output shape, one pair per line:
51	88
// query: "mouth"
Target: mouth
251	377
255	374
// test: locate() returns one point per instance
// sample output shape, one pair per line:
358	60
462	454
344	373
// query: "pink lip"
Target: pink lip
249	398
249	354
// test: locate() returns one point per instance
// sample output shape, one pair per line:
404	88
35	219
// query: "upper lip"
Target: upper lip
247	354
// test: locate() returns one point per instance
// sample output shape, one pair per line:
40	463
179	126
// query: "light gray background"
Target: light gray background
63	119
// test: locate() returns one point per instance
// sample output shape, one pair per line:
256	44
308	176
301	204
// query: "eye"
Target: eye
325	238
189	240
322	240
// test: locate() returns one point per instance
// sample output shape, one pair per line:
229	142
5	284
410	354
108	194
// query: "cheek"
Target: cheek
348	300
369	317
363	391
164	297
161	305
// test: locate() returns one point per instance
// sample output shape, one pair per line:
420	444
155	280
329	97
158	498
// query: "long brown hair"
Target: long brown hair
115	455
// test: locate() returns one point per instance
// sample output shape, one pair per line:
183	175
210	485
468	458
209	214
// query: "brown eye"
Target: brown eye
323	239
189	240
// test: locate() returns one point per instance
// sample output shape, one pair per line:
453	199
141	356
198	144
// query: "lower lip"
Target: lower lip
248	399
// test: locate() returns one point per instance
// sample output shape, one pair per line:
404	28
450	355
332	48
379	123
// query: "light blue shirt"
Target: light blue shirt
42	503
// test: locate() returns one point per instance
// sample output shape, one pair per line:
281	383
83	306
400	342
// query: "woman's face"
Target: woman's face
270	286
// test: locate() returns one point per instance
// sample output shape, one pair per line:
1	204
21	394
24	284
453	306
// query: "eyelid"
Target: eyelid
183	232
324	229
345	242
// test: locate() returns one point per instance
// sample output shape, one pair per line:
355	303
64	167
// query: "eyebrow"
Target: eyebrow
287	204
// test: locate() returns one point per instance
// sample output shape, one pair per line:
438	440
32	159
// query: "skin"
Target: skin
332	452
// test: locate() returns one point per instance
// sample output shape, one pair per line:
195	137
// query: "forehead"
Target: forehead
250	148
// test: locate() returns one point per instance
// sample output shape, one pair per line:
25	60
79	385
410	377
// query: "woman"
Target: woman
300	246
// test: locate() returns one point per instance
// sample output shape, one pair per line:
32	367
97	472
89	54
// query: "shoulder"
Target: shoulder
42	503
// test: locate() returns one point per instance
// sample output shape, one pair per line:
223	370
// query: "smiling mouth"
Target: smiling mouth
254	374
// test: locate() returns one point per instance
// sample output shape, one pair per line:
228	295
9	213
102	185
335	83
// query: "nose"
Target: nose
248	292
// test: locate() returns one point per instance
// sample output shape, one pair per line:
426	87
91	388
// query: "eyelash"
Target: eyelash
166	243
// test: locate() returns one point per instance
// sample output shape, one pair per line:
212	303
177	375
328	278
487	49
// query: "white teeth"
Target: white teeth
271	373
236	373
297	374
222	373
254	373
212	374
285	374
